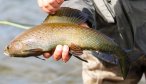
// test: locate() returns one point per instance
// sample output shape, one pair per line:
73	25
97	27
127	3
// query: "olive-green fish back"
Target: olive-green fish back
66	15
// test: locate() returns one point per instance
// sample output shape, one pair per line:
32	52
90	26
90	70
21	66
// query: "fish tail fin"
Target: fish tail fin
126	59
124	63
125	66
66	15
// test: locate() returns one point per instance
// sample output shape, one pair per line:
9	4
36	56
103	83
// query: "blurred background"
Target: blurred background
31	70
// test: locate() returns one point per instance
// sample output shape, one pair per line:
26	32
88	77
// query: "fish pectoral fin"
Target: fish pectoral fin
36	50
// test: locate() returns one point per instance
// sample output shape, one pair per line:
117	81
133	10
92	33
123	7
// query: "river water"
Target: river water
31	70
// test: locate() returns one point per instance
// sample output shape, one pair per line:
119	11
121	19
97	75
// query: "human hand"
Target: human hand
60	52
50	6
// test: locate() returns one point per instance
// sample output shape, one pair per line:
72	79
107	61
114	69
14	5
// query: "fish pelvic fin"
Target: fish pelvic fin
76	51
66	15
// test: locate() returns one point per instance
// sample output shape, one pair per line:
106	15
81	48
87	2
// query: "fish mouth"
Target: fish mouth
6	53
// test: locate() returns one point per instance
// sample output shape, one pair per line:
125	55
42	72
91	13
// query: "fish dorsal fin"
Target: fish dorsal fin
66	15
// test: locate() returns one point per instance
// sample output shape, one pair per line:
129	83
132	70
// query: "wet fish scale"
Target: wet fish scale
68	33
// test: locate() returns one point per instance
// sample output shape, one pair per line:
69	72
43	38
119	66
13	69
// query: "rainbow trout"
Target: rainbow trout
63	28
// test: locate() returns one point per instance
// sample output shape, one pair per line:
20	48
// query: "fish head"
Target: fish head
19	48
15	49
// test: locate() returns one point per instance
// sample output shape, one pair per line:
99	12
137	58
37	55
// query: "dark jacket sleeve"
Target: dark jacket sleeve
131	21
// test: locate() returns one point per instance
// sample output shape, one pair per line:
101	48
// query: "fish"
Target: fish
63	28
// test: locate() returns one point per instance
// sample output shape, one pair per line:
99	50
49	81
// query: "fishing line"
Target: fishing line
3	22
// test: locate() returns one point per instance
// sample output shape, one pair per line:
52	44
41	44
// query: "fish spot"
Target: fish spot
40	37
